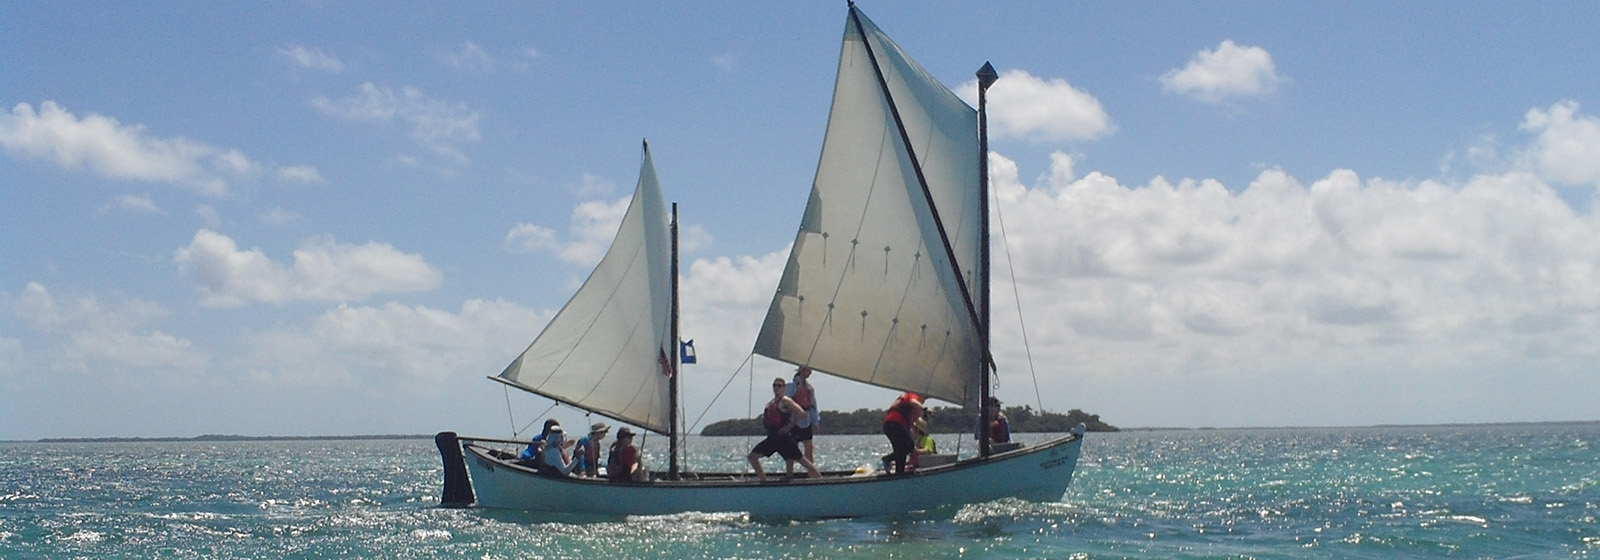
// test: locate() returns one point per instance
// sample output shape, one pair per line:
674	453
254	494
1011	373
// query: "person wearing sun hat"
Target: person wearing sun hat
622	464
586	454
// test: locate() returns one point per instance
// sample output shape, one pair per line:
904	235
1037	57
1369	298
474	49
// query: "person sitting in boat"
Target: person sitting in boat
586	453
779	418
903	413
530	455
923	440
622	463
554	460
999	427
805	427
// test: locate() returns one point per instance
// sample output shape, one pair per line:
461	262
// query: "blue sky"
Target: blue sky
340	217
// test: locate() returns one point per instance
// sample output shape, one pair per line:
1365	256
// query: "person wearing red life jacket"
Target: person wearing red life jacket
779	418
897	427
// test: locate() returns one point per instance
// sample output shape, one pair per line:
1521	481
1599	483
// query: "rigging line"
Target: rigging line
546	412
1011	267
719	392
509	415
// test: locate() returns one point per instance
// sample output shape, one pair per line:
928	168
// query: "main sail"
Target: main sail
609	350
869	292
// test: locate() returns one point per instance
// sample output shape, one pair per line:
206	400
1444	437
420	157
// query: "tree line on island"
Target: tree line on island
943	420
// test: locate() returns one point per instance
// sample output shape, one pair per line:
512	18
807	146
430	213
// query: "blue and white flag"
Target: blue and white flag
686	352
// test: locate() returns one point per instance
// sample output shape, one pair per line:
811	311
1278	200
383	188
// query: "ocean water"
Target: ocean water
1518	491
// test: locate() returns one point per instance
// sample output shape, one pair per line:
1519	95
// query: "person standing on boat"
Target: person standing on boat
903	414
622	463
806	427
586	454
779	418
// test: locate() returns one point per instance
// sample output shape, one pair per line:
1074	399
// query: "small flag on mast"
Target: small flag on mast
686	352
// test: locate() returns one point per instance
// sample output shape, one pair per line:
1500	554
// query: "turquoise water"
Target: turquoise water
1525	491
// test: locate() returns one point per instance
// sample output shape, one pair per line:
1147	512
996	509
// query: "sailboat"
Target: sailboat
886	284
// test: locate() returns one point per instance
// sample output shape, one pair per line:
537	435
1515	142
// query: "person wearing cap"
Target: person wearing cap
622	463
805	427
586	453
554	460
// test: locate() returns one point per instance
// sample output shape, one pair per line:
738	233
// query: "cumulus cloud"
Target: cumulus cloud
438	126
1344	274
311	59
1023	106
418	346
1567	149
117	151
323	270
590	232
85	335
1229	71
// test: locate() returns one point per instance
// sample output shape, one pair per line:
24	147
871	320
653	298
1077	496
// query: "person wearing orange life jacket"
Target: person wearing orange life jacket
903	414
779	418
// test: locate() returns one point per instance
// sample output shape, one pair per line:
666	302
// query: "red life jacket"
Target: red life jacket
901	412
773	417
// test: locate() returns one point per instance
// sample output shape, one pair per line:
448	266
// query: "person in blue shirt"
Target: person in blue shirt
586	454
530	455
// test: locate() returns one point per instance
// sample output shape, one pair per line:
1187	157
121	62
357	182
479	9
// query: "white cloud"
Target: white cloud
417	346
1229	71
470	57
1023	106
301	174
530	238
323	270
1345	277
593	225
86	336
118	151
312	59
724	62
439	126
1568	146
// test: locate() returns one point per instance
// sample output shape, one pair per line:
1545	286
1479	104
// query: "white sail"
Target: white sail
869	292
609	350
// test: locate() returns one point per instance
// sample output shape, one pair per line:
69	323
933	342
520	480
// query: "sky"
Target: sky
340	218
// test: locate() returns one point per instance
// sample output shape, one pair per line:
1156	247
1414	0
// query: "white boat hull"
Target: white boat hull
1036	473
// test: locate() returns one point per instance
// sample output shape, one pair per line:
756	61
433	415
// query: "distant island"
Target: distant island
943	420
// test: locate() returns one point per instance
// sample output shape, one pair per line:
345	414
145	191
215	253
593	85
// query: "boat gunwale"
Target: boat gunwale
743	480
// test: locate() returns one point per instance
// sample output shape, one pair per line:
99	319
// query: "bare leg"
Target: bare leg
811	469
755	463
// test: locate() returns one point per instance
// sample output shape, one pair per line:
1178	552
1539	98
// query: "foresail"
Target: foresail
608	350
869	292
